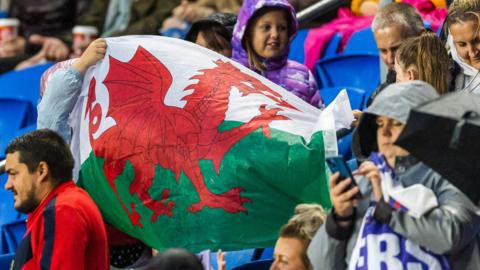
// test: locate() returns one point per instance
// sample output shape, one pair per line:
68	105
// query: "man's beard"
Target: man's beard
30	203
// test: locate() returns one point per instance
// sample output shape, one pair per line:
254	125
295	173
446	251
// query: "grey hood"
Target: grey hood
394	102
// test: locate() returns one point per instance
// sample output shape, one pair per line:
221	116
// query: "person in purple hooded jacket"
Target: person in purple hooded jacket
261	39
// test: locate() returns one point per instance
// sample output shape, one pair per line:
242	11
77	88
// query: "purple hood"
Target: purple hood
290	75
249	8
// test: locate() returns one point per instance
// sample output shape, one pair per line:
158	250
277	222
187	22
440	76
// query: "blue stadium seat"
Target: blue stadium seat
23	84
26	129
427	25
332	46
233	258
175	32
7	212
256	265
239	257
356	96
297	50
440	29
20	91
345	146
263	254
14	115
361	41
267	253
6	260
12	234
350	70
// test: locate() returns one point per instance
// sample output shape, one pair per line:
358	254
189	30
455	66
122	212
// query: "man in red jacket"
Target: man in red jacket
64	226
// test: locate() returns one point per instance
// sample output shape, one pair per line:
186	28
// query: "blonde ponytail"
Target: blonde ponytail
428	56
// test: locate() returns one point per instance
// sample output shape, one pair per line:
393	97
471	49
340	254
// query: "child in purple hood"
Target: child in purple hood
261	41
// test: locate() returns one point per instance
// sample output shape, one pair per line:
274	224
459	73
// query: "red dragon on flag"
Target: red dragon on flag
182	147
137	90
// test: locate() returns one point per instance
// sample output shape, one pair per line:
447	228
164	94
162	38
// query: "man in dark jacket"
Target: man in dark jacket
393	24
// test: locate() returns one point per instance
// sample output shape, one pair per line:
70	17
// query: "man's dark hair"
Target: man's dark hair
217	30
175	259
44	145
216	37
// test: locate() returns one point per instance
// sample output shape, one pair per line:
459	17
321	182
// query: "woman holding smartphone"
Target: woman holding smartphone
442	235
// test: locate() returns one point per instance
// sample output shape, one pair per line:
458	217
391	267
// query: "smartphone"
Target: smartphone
338	164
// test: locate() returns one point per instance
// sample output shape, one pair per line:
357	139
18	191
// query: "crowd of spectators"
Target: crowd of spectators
256	33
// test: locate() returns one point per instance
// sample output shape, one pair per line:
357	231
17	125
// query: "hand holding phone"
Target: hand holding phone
344	193
338	164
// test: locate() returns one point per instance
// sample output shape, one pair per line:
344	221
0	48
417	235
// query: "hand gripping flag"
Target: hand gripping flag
182	147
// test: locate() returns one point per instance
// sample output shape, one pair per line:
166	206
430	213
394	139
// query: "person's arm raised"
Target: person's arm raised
95	52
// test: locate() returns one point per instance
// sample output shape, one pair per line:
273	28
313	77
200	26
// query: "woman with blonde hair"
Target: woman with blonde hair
423	58
310	216
291	248
463	21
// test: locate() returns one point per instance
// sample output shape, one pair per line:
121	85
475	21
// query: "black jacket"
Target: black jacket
391	78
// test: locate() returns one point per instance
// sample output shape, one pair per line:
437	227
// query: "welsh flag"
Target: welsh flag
182	147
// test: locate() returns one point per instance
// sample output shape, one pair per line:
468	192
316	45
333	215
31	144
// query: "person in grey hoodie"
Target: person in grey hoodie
451	228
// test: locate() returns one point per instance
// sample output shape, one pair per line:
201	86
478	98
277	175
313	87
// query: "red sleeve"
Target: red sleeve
65	239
